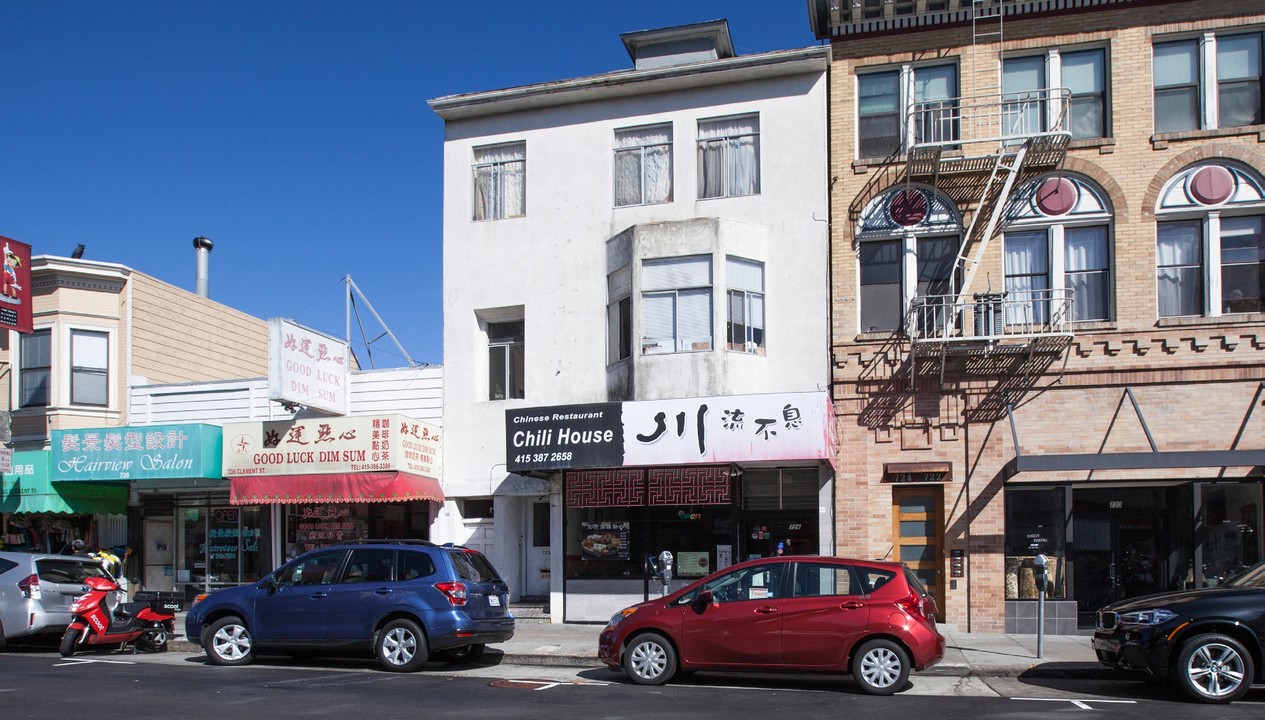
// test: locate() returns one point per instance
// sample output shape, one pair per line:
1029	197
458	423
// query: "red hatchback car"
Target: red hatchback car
797	613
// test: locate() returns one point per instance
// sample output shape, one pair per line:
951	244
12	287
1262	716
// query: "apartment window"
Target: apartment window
1210	242
746	304
619	314
905	223
643	165
500	181
729	157
883	98
36	368
505	360
1231	95
1026	82
89	367
1056	247
676	304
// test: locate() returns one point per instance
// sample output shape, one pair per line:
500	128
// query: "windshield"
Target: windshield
1251	577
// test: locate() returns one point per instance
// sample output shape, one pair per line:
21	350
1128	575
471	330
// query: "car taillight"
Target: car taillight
912	604
30	586
455	591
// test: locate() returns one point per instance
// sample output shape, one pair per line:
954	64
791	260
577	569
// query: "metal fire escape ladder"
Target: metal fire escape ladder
997	188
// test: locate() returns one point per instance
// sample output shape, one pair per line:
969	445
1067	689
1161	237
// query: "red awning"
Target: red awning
370	487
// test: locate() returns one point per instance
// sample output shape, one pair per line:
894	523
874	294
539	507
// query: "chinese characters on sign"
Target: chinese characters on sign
138	452
782	426
331	445
306	367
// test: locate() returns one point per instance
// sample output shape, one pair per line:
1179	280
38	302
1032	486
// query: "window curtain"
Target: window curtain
746	301
643	165
1088	273
729	156
1026	260
676	304
1179	275
500	176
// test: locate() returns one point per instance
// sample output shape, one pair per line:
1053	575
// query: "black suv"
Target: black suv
1210	641
401	599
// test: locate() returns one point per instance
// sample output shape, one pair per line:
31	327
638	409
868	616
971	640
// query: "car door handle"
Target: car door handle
383	591
852	605
318	595
766	610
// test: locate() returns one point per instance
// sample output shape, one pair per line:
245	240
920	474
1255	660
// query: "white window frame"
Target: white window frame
511	390
619	315
906	82
77	370
1052	61
1174	205
652	291
500	170
1208	90
644	151
730	145
748	296
51	380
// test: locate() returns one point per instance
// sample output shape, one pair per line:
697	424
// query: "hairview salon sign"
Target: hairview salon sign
735	428
143	452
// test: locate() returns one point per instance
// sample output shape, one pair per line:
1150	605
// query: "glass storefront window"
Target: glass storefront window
1036	523
223	545
1230	517
308	527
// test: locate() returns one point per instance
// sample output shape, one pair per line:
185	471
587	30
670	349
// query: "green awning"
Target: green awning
27	489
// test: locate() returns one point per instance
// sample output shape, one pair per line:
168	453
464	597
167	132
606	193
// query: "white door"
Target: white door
537	560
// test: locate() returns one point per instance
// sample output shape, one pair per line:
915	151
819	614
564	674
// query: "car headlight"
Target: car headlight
620	616
1147	617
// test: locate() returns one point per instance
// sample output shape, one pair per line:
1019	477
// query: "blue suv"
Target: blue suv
404	599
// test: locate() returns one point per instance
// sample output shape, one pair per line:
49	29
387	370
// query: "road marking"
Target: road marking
1079	703
84	661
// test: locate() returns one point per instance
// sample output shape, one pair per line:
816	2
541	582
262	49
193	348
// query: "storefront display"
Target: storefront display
39	515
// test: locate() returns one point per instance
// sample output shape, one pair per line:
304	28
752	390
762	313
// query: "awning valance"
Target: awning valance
373	487
25	495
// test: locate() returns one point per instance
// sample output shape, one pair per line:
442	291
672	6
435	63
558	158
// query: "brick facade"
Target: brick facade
1196	380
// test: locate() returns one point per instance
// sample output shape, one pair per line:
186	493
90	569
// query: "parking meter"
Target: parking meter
665	566
1039	564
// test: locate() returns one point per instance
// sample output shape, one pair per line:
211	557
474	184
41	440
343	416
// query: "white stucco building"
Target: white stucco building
628	241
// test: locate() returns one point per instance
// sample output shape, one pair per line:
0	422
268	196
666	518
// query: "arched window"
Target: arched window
1210	241
1056	247
908	240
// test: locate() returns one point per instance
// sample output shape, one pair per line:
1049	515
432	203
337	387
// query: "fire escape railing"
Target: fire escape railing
990	316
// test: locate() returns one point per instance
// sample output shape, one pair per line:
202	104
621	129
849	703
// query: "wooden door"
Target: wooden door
918	535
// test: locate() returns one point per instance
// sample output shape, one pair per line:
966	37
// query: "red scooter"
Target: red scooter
97	618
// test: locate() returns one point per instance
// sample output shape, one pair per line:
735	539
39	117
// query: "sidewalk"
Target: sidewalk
966	654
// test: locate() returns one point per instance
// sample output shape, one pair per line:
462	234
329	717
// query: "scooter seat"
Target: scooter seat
130	609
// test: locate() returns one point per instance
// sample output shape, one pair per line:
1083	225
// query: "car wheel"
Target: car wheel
881	667
228	642
68	640
464	655
401	646
650	660
1214	668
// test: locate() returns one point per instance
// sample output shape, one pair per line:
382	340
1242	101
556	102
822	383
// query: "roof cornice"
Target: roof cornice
628	83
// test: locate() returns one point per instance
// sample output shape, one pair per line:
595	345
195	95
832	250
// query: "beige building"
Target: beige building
101	328
1048	254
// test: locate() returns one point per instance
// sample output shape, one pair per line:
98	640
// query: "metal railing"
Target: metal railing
1006	118
990	316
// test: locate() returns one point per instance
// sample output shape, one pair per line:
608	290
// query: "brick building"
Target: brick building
1048	252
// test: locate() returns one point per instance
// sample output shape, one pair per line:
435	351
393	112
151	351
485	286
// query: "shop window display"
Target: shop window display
308	527
1036	523
225	545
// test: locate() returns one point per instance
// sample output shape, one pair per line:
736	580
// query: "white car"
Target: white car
37	590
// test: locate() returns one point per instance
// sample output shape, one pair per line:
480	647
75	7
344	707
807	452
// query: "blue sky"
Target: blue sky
293	134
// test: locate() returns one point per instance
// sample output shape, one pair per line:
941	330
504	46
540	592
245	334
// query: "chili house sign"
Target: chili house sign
142	452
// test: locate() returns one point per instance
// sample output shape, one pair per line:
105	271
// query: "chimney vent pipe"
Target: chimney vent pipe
203	281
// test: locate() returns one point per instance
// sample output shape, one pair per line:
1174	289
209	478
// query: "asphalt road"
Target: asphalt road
37	683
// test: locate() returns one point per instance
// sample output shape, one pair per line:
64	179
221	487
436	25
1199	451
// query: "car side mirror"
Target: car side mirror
702	600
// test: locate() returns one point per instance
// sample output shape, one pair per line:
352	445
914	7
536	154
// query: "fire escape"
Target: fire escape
979	149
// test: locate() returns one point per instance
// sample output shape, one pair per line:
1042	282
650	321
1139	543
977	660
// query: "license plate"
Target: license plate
494	600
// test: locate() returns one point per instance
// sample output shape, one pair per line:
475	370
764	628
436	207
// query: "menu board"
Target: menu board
603	540
692	564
